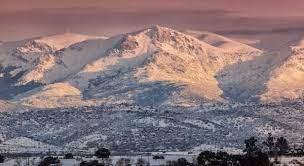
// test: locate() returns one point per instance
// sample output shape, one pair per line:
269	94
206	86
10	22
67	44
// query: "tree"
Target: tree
48	161
183	162
251	148
142	162
259	159
68	156
302	147
124	162
208	158
2	158
254	156
282	146
269	143
178	162
205	158
158	157
103	153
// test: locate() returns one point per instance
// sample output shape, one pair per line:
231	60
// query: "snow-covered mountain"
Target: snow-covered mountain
128	66
24	64
154	89
154	66
287	80
224	43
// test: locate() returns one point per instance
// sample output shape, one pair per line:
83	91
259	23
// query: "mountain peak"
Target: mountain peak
199	65
221	42
158	28
64	40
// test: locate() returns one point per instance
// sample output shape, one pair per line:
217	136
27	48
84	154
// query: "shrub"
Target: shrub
211	158
282	146
68	156
48	161
90	163
103	153
142	162
158	157
251	147
183	162
259	159
123	162
269	143
2	158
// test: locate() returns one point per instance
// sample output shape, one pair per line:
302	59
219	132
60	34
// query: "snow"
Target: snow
201	124
269	129
190	67
287	80
23	144
222	42
290	161
82	143
64	40
113	159
154	55
214	148
153	122
158	68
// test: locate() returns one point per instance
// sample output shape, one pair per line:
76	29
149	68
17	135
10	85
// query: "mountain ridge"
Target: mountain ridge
187	68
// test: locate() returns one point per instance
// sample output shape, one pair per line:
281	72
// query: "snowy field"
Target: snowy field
290	161
33	161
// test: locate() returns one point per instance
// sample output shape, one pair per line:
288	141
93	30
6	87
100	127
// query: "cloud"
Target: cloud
23	19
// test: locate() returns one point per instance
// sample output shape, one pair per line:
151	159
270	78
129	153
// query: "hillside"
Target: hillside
125	128
25	63
224	43
287	81
157	85
153	66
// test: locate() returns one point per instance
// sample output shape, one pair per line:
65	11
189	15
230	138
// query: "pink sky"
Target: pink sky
29	18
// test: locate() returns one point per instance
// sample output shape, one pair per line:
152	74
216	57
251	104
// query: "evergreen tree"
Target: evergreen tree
68	156
251	148
49	161
302	144
2	158
254	156
282	146
269	143
103	153
183	162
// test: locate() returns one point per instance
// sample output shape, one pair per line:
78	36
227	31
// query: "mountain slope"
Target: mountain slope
64	40
152	85
25	63
154	66
257	79
287	81
225	44
150	67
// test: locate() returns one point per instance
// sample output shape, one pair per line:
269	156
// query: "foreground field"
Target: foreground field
117	160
